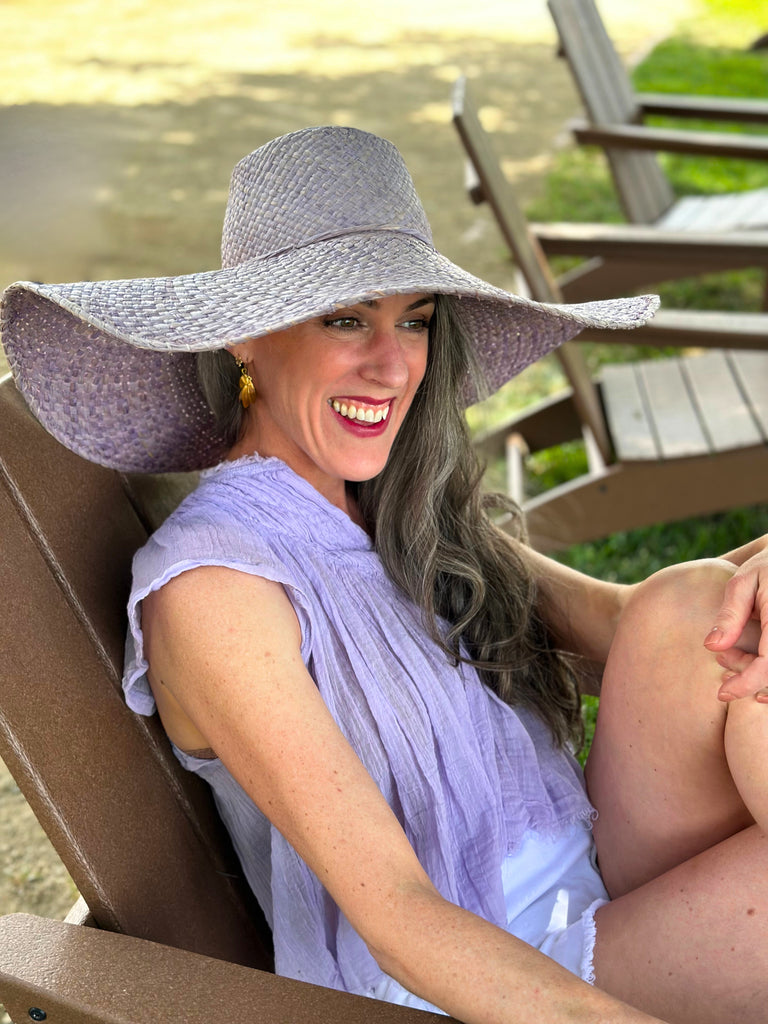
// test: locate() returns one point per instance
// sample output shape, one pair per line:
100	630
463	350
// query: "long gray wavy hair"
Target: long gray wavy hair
430	522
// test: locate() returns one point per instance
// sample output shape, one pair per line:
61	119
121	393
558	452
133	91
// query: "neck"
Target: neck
343	497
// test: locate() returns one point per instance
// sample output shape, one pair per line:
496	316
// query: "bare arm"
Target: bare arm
747	551
581	611
239	677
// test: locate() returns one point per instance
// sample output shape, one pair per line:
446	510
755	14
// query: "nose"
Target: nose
386	362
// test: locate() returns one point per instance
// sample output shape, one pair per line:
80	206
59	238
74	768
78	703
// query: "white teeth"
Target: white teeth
360	415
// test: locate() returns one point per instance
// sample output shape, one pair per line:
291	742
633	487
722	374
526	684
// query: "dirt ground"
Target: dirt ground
120	122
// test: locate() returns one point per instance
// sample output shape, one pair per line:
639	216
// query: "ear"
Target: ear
243	350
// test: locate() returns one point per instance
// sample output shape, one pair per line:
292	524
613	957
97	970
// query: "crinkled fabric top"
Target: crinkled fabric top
465	774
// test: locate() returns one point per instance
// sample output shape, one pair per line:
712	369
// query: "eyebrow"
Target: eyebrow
428	300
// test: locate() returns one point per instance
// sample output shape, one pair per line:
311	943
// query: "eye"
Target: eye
341	323
418	324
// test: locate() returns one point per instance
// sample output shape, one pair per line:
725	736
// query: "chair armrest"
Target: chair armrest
671	140
702	328
85	976
708	108
644	242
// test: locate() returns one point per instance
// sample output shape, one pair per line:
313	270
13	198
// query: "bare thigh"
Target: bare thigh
658	773
691	947
686	937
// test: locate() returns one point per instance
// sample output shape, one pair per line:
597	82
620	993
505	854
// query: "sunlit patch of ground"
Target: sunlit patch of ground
131	51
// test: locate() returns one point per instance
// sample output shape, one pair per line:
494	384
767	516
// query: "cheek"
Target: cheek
419	366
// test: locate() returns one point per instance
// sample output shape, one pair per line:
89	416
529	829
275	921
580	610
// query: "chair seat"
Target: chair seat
733	211
676	408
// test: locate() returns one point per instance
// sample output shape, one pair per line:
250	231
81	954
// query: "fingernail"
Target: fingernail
726	695
713	636
762	695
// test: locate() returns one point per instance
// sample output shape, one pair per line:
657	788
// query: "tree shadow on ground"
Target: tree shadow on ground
110	191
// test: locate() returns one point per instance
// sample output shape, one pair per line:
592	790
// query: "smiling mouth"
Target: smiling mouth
360	412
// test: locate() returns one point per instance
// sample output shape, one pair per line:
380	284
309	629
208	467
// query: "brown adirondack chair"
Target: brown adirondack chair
166	928
665	439
615	122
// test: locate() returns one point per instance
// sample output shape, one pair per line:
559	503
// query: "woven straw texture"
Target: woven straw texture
315	220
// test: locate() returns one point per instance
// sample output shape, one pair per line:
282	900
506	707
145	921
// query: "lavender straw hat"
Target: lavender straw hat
316	220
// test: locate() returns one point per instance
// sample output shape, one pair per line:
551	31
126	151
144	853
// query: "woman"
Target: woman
365	670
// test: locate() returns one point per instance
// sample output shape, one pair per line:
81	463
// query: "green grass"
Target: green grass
683	65
633	555
579	188
678	65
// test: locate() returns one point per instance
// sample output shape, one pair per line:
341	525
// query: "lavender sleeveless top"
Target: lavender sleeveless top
466	775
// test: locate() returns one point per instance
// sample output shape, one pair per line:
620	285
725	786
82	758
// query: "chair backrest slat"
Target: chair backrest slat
138	834
607	94
495	189
528	256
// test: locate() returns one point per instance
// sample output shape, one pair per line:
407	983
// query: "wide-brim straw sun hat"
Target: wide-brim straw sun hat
316	220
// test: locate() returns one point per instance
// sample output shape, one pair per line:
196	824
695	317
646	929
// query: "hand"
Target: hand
740	635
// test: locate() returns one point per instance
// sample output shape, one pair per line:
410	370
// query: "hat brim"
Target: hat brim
109	369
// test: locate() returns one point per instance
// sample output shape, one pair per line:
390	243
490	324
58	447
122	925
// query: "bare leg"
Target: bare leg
687	937
658	772
691	947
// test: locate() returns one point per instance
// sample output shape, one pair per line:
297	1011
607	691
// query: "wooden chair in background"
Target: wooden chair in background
665	439
615	122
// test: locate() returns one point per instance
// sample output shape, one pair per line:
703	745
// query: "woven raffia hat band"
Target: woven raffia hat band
316	220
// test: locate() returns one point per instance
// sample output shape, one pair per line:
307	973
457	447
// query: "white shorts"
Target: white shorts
552	890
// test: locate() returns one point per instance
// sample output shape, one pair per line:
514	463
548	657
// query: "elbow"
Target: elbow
390	961
396	938
396	962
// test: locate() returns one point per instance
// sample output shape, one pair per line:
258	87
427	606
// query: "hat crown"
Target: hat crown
316	184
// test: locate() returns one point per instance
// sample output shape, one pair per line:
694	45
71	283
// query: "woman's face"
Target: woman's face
332	393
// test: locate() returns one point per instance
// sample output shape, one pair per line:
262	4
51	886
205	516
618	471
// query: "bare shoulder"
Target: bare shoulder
201	629
214	598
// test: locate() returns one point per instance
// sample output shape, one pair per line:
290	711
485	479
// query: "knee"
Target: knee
685	596
658	649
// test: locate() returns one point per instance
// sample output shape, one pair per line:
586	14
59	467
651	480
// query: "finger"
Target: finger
735	659
750	637
752	682
762	646
736	609
749	640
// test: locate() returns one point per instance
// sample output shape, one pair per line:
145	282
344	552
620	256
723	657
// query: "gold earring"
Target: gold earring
247	389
